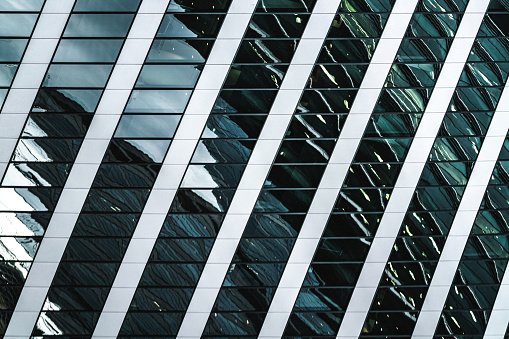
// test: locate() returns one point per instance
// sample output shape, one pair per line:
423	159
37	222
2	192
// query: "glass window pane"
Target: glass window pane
28	199
198	5
66	100
20	25
7	72
106	5
168	76
190	25
285	6
57	125
144	151
126	175
87	50
77	76
98	25
36	174
277	26
147	126
266	51
175	51
212	176
11	50
158	101
21	5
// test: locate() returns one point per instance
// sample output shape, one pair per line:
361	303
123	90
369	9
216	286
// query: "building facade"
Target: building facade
254	169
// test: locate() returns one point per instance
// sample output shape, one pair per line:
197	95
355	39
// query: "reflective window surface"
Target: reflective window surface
166	79
61	114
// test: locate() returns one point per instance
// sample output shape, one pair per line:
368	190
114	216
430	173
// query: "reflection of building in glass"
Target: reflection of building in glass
254	169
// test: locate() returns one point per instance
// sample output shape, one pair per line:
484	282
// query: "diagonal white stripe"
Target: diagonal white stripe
336	171
30	75
257	169
85	167
422	144
173	169
463	223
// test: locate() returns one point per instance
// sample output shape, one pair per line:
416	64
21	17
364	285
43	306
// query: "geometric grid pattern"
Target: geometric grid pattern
254	168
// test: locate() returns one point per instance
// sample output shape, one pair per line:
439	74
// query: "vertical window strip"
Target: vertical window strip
499	318
30	74
336	171
410	173
257	169
173	169
463	223
85	167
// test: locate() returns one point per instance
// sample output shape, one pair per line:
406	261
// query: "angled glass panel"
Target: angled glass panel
46	150
285	6
190	25
7	72
36	174
147	126
106	6
413	75
462	124
168	76
191	225
76	298
337	76
393	125
266	51
484	74
57	125
358	25
423	50
198	5
95	249
277	26
255	76
28	200
315	126
77	76
21	5
442	5
24	224
126	175
222	151
366	6
202	200
179	51
133	150
233	126
158	101
88	50
66	100
433	25
212	176
111	224
115	200
490	49
98	25
11	50
348	50
17	25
